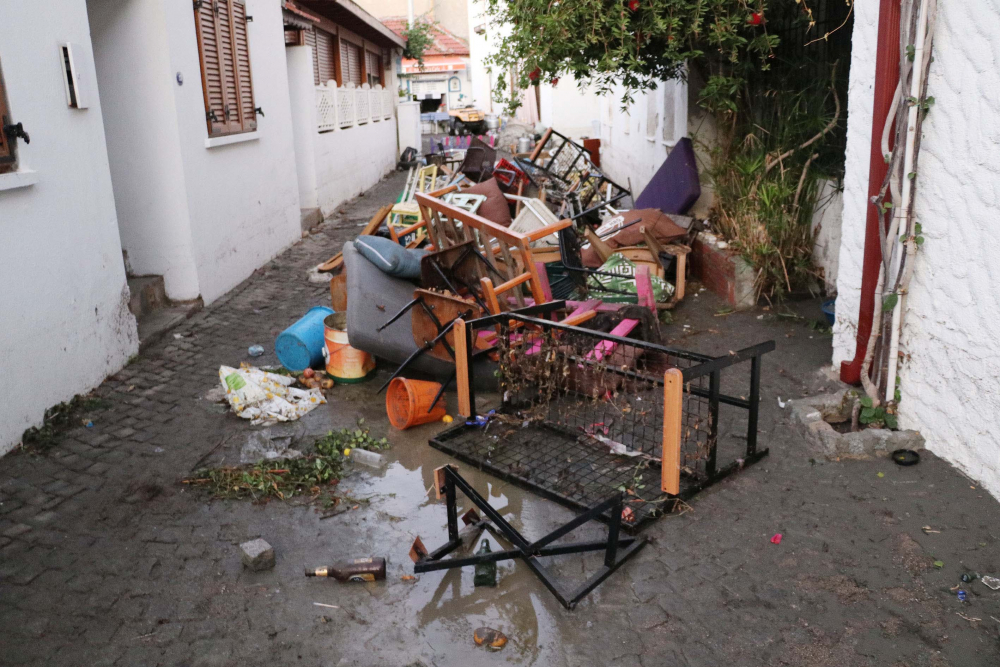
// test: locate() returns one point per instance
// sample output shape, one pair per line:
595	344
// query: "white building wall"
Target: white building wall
569	109
243	197
65	324
336	165
136	80
950	370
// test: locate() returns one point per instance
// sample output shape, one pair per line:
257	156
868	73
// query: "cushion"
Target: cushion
495	207
674	187
390	257
629	225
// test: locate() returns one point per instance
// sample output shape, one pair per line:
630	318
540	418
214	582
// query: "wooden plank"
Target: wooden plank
541	144
462	368
554	228
644	287
577	319
670	457
543	280
603	249
490	297
508	259
514	282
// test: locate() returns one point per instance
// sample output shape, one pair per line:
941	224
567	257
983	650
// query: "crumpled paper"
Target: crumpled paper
266	398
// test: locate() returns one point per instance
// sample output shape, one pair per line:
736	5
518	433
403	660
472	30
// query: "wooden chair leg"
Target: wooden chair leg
670	458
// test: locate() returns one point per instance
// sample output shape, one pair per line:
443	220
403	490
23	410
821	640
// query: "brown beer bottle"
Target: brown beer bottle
359	569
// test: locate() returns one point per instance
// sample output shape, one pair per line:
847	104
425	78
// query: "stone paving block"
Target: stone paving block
257	555
17	530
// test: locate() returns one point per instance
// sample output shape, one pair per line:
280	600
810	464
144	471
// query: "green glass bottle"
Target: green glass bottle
486	573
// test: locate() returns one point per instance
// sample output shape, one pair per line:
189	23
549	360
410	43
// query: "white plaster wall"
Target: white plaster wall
860	97
408	114
950	338
350	161
825	226
480	45
243	198
136	83
66	324
570	109
302	93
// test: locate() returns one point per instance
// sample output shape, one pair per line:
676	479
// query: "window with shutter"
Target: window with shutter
6	147
324	55
223	43
373	69
310	41
350	62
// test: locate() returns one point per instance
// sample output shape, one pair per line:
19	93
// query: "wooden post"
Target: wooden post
462	368
673	404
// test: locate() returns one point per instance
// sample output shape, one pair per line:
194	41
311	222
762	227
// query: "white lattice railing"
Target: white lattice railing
326	108
375	103
342	107
362	106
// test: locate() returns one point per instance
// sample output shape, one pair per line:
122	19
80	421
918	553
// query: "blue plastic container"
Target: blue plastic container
829	309
300	346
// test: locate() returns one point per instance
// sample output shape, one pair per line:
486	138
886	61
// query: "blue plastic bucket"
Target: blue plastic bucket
300	346
830	310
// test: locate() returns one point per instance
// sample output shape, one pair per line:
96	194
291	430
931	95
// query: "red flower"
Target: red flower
633	5
554	82
535	73
756	18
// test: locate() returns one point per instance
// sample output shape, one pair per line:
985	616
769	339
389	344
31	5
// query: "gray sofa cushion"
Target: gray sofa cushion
390	257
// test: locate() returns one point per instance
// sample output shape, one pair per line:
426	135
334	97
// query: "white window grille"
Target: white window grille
345	105
362	106
375	96
326	108
390	103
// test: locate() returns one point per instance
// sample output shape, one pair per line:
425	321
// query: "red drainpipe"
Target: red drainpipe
886	80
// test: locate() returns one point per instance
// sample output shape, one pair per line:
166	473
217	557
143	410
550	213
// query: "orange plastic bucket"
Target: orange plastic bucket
344	363
408	403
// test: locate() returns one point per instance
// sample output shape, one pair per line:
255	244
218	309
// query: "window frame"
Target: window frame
236	86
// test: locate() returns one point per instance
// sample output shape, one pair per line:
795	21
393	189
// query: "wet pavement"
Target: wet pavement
106	558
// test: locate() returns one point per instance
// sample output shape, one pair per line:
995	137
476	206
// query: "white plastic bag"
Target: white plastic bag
266	398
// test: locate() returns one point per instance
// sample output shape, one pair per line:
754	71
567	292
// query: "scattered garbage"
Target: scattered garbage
89	424
968	577
414	402
939	564
776	539
255	350
486	571
266	398
447	419
781	403
257	555
962	596
490	638
300	346
993	583
357	570
261	446
905	457
364	457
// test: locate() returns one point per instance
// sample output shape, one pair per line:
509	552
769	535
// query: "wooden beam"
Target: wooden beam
462	368
670	457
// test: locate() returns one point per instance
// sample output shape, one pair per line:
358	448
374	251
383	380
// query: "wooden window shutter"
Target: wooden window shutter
244	75
225	66
350	60
310	39
325	56
6	149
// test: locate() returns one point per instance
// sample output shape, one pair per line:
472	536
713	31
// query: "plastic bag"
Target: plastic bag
266	398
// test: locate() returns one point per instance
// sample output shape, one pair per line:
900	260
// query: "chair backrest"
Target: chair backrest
507	254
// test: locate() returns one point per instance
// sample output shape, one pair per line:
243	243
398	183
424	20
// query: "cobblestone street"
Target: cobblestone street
106	558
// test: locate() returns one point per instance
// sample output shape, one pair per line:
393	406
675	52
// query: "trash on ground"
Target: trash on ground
357	570
490	638
344	363
257	555
963	596
968	577
939	564
905	457
408	577
776	539
365	457
328	606
930	531
992	583
255	350
413	402
300	346
263	446
486	571
266	398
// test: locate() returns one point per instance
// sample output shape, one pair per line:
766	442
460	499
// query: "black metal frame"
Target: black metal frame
616	549
701	367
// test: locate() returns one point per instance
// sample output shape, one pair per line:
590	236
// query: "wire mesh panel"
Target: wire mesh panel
362	114
583	415
345	105
326	108
375	99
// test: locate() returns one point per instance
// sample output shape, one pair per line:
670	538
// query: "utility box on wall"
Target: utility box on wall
78	74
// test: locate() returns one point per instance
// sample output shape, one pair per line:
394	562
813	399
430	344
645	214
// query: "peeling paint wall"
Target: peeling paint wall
64	319
951	367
